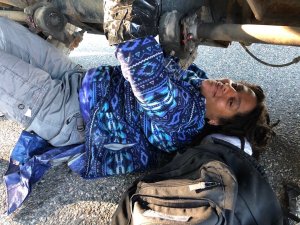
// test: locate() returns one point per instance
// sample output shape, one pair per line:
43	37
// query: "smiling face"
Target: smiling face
225	99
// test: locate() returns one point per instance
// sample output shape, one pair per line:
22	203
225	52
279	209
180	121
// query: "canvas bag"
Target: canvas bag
208	184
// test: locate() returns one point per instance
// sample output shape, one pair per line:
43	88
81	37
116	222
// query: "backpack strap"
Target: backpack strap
240	142
257	202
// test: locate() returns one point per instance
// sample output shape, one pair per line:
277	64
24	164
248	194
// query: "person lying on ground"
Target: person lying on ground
121	113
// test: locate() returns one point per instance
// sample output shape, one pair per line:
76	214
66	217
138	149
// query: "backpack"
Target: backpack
214	183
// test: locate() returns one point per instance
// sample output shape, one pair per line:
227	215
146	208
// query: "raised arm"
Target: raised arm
163	91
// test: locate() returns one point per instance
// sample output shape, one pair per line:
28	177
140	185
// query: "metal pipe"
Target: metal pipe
257	9
14	15
17	3
3	5
248	33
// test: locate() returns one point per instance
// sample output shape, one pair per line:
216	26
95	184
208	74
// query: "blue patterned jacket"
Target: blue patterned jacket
131	112
147	103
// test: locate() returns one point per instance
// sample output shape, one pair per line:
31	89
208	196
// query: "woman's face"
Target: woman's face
225	99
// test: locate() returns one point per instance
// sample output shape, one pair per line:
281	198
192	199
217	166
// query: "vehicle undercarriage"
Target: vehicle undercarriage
219	22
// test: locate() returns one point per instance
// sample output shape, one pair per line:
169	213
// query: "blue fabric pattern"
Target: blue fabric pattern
147	104
29	161
132	112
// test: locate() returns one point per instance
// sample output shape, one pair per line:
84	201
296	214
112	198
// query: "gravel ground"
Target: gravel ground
64	198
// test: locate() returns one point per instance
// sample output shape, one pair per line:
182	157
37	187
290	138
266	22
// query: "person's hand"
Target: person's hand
129	19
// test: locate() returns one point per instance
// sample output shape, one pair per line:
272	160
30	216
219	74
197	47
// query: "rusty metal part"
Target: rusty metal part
248	33
32	8
70	40
4	5
281	6
14	15
17	3
49	19
284	12
77	37
88	11
280	12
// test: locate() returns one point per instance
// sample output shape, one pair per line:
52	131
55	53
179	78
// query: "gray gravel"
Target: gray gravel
64	198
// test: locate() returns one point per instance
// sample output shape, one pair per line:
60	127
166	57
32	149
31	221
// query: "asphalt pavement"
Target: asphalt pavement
64	198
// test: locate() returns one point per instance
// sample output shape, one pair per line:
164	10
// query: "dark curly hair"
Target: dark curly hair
254	125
